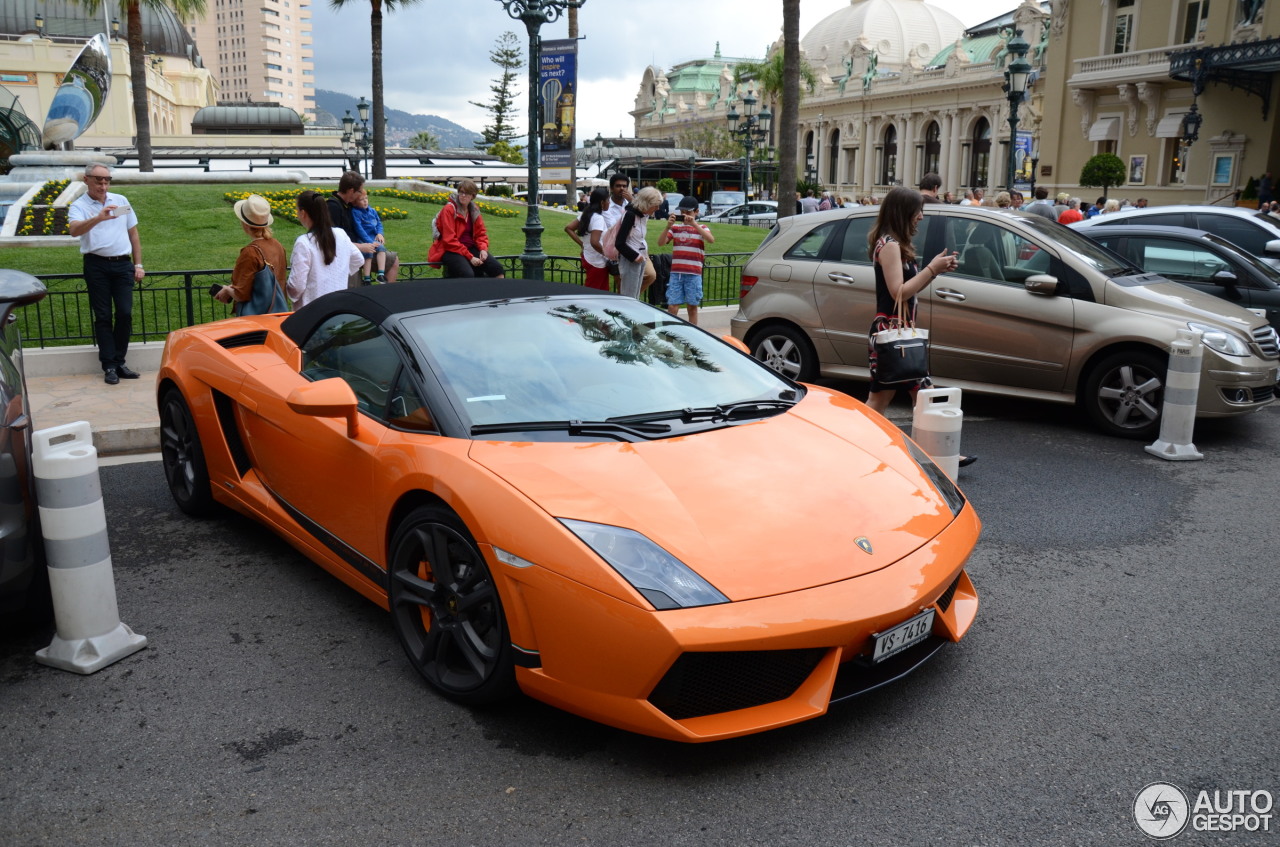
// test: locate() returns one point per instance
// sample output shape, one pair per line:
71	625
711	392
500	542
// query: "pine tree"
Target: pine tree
507	55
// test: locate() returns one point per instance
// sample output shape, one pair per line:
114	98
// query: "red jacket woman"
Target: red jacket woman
461	243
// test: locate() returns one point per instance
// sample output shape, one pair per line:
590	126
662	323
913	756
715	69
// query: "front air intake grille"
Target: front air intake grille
1264	394
245	339
1268	342
944	602
709	683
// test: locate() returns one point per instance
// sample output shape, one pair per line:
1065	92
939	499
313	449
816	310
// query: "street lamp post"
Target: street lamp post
692	163
751	129
1035	166
817	152
357	137
1016	78
535	13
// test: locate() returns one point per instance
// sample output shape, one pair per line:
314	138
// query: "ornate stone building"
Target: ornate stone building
903	89
1128	72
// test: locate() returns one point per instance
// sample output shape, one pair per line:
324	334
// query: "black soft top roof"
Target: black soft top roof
379	302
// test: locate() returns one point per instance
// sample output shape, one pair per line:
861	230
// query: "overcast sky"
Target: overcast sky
436	52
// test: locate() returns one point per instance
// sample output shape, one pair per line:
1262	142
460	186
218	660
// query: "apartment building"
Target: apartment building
260	51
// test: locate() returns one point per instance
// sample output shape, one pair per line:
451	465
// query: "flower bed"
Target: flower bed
40	216
439	198
43	220
284	204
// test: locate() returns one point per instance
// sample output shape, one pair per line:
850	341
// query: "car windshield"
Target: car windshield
1103	260
590	359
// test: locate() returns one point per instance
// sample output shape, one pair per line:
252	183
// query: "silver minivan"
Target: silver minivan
1033	310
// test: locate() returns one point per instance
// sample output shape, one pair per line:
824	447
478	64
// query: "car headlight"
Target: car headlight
664	580
1220	340
942	482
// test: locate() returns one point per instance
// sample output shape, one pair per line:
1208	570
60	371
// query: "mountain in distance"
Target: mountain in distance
331	106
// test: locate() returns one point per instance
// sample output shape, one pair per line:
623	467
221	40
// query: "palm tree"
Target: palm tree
789	122
424	141
131	11
770	74
379	114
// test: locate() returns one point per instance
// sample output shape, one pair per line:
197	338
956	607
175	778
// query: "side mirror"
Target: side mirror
328	398
1272	247
736	342
1225	277
1043	284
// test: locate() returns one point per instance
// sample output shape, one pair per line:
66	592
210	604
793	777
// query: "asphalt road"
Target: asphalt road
1126	636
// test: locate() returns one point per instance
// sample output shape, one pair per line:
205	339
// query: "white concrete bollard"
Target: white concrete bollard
935	426
1181	391
90	635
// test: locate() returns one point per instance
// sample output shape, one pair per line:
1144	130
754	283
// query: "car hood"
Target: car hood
1179	302
757	509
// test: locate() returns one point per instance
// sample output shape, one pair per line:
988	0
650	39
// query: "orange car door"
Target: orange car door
314	469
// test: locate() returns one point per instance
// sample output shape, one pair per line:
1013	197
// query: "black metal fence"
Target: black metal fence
169	300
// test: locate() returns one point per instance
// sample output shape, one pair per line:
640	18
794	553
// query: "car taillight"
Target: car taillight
748	282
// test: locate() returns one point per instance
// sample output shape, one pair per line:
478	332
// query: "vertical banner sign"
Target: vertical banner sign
558	81
1022	160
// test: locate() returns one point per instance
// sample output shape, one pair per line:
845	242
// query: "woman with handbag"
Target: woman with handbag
633	249
262	251
898	280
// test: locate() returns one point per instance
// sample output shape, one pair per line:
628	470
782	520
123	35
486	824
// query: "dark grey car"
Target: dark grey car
1199	259
24	581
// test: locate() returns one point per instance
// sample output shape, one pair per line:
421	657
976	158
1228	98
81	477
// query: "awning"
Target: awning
1105	129
1170	125
1249	66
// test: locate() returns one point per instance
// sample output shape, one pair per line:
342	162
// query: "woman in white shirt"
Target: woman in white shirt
323	257
587	232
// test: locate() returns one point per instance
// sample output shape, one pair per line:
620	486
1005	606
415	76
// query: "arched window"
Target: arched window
889	157
932	149
980	156
833	156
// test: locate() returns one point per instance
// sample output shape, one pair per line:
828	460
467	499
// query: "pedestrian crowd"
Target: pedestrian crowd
344	245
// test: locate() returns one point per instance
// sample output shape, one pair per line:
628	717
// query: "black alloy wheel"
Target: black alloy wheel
446	609
182	457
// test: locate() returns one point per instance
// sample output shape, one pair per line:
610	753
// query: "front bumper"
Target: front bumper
1235	386
767	662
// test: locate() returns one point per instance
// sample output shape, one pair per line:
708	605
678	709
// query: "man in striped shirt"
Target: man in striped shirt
684	288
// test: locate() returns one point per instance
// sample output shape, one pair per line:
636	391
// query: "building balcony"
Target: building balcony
1119	68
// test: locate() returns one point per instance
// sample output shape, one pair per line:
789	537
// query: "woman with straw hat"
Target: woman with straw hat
254	215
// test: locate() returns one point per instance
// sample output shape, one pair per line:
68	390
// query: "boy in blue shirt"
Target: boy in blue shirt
368	226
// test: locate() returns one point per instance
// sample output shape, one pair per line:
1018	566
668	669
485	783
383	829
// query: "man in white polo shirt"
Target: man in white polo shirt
112	252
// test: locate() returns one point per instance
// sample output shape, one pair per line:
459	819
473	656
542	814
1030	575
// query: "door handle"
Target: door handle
836	276
948	294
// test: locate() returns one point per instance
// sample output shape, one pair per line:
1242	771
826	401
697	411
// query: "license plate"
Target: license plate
902	636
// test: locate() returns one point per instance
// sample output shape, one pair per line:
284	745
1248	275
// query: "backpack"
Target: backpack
609	241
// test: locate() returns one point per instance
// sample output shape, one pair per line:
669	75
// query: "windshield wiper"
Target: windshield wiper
741	410
640	429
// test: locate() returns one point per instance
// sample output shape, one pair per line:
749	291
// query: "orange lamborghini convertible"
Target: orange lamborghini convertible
575	495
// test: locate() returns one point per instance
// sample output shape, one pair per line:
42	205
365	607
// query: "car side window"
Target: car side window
1248	237
810	246
406	409
1166	219
987	252
352	348
1177	260
855	250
